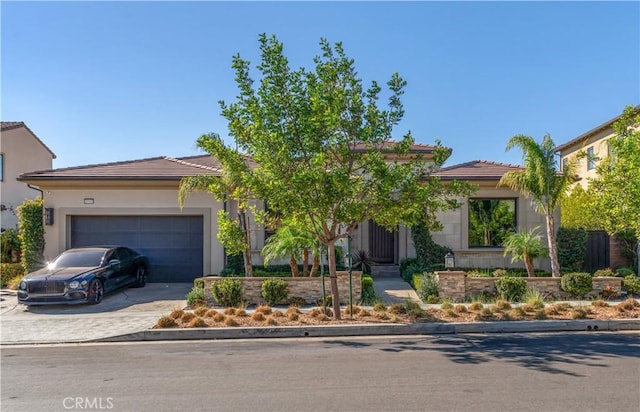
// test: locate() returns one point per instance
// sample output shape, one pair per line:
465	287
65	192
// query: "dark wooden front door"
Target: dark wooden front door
382	244
597	253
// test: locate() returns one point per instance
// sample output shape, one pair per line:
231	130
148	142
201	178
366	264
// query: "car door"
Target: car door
111	274
127	266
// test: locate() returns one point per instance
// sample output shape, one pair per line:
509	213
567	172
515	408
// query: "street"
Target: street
502	372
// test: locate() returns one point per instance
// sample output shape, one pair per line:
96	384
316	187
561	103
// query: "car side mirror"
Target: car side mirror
114	263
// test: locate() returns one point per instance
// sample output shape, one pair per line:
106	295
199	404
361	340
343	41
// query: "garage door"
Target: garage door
173	243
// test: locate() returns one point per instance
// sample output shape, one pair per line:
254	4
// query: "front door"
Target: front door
382	243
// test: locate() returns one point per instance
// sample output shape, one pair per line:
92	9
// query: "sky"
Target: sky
112	81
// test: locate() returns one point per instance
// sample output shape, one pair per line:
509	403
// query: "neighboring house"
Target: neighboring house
588	149
135	203
20	151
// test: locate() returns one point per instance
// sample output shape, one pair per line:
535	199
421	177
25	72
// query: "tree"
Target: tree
617	185
324	148
525	246
541	181
234	183
577	210
295	243
31	233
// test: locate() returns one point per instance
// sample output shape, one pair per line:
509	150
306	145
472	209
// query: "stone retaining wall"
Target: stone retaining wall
309	289
457	286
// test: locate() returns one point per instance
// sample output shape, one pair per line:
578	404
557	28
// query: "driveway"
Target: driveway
123	312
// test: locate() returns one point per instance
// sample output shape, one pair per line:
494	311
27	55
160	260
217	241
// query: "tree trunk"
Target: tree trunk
316	265
553	248
305	262
335	297
294	266
528	263
246	255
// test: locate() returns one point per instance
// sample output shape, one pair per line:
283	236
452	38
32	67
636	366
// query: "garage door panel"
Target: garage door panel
174	244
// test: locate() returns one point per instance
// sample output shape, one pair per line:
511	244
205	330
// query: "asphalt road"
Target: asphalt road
532	372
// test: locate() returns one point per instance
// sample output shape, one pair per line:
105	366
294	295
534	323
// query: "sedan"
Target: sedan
84	275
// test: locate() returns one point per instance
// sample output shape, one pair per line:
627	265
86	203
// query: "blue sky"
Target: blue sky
111	81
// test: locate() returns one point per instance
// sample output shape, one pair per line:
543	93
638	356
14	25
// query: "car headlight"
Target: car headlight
74	284
23	285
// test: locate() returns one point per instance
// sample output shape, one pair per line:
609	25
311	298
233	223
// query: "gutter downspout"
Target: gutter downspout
37	189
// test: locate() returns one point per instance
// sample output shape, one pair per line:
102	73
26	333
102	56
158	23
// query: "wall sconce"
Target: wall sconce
48	216
449	261
88	200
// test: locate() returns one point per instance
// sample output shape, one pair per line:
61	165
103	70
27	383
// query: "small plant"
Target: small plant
629	304
599	303
511	288
200	311
631	284
271	321
576	284
486	313
476	306
380	307
327	312
197	322
364	313
578	313
230	311
297	301
231	322
187	317
451	313
603	272
210	313
432	299
293	309
381	315
503	304
293	316
368	292
258	316
166	322
264	309
241	313
519	312
446	305
176	313
460	309
397	309
624	272
219	317
227	292
428	286
506	316
349	310
274	291
528	308
197	297
498	273
314	313
362	261
540	314
533	298
277	314
609	292
525	246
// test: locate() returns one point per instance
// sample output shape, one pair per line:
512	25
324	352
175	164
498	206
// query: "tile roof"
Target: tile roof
388	146
476	170
155	168
5	126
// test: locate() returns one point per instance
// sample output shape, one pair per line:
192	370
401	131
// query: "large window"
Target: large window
591	159
491	221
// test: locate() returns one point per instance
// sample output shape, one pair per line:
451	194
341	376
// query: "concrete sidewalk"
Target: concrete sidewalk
393	289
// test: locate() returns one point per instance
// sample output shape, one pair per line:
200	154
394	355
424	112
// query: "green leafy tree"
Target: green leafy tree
295	243
490	221
323	146
541	182
617	185
577	210
31	233
525	246
234	183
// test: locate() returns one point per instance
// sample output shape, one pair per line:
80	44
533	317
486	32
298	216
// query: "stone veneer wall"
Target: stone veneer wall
457	286
309	289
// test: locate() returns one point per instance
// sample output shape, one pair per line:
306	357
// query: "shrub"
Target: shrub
428	286
10	271
540	314
631	284
503	305
277	314
198	283
576	284
258	316
293	309
476	306
241	313
533	298
274	291
379	307
361	261
579	313
196	297
314	313
264	309
235	266
624	272
293	316
176	313
197	322
227	292
629	304
429	254
297	301
572	247
166	322
432	299
230	322
409	271
368	292
446	305
201	311
10	246
271	321
31	233
413	309
229	311
397	309
211	313
603	272
187	317
460	309
219	317
511	288
599	303
609	292
498	273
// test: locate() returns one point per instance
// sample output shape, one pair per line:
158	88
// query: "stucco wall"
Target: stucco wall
600	149
22	153
131	201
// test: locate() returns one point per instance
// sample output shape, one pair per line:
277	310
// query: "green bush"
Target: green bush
9	271
411	270
31	232
196	297
10	246
576	284
511	288
624	272
235	266
227	292
429	254
603	272
198	283
274	291
368	292
498	273
572	248
428	287
416	280
631	284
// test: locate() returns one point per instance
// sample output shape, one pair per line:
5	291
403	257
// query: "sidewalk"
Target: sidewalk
393	289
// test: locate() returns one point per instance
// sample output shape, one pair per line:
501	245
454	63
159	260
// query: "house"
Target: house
20	151
136	203
588	149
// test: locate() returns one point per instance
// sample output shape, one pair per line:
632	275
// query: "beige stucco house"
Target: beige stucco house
135	203
21	151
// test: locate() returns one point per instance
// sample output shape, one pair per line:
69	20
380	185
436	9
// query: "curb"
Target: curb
377	330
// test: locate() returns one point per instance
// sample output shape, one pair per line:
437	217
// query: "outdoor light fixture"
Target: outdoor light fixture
449	261
88	201
48	216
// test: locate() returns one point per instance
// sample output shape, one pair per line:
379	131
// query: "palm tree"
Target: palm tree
541	181
293	242
525	246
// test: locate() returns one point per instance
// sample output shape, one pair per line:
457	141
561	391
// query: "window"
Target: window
1	167
491	221
591	159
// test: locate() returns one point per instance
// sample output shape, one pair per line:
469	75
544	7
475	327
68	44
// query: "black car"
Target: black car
84	275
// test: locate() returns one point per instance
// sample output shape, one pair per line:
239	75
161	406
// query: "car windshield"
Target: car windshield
82	258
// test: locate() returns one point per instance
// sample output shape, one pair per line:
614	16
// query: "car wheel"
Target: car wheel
96	292
141	277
